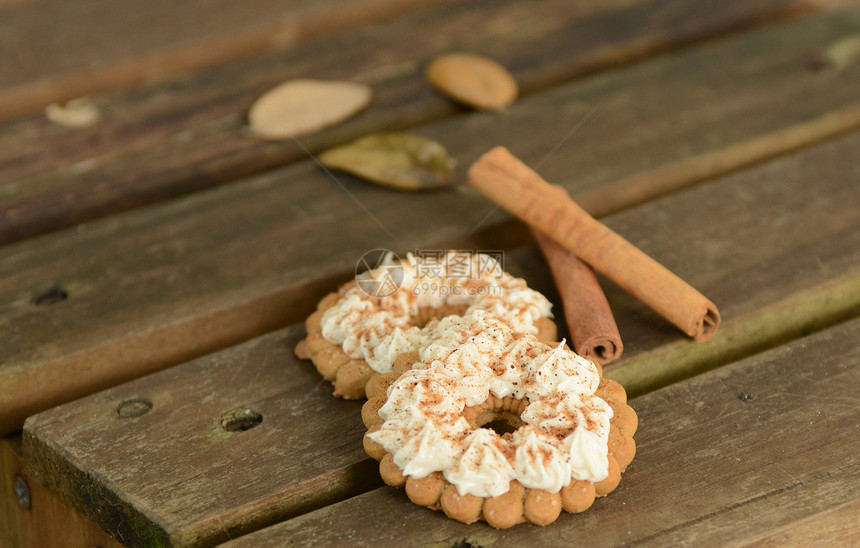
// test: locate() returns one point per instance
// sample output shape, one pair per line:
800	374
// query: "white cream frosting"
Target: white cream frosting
538	462
425	453
587	455
481	469
464	359
390	346
424	393
378	329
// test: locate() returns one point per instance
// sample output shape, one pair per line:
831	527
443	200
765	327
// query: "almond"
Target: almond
472	79
300	107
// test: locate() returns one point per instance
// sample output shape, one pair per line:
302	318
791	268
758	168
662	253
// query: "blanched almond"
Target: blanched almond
299	107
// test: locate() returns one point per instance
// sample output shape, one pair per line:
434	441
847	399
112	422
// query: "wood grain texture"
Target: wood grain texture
779	303
162	285
54	51
47	522
159	141
65	445
834	527
710	468
176	476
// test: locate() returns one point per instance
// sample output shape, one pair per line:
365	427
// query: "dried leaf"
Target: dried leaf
397	160
472	79
299	107
844	53
77	113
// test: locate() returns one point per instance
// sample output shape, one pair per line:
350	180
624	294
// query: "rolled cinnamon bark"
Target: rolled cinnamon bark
503	178
593	331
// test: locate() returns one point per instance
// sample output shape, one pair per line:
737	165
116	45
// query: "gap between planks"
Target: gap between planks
770	327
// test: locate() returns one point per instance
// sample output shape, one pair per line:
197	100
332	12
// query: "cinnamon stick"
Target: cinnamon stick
593	331
503	178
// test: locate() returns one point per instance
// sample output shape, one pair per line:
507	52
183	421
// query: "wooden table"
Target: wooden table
156	267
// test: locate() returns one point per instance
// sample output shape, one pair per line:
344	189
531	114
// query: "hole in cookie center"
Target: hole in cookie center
501	415
501	426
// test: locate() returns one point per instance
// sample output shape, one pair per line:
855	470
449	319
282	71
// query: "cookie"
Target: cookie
570	433
360	330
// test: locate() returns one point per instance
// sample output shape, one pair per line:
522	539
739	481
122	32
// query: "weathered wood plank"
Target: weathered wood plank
773	278
64	443
185	478
178	476
45	521
711	467
834	527
54	51
159	141
162	285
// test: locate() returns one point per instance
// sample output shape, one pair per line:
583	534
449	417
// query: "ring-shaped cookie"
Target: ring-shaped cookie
361	329
572	430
